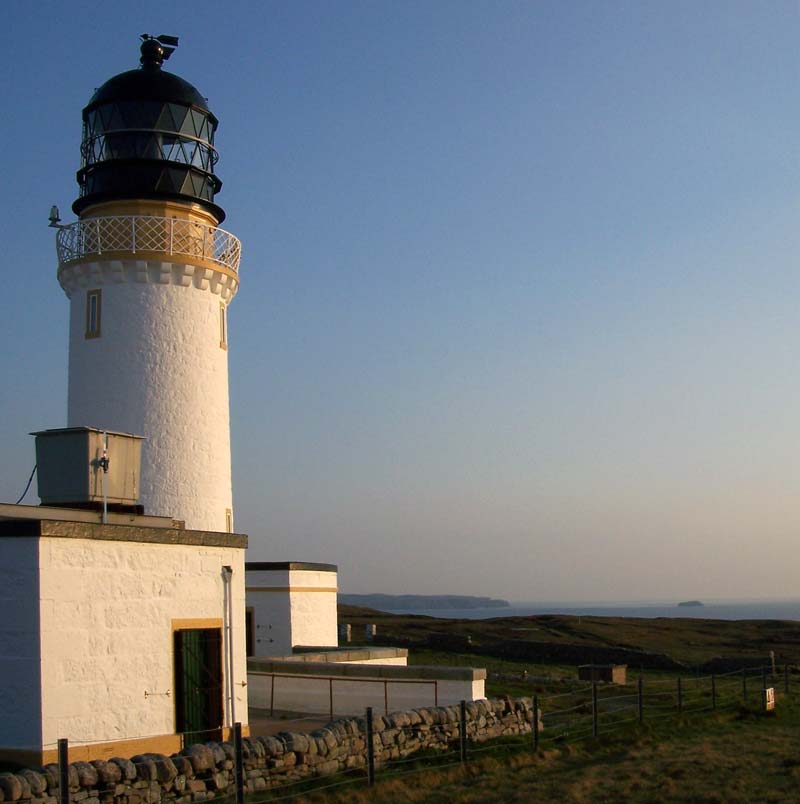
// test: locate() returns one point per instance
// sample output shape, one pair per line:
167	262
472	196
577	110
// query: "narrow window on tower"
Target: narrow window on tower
93	313
223	326
229	520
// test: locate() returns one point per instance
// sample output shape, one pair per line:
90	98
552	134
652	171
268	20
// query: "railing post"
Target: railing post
63	771
370	750
133	233
171	234
462	731
97	233
680	695
272	697
640	699
205	234
594	709
713	691
237	747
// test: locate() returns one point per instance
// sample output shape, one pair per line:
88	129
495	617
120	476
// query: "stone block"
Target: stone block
127	768
146	770
216	752
201	757
182	765
36	781
295	741
10	786
108	773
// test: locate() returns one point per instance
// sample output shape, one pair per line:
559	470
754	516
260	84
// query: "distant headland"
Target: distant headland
691	603
413	602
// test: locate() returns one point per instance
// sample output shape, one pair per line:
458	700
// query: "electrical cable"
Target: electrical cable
30	480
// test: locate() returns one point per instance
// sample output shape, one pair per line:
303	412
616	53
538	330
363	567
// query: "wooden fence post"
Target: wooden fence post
239	755
370	750
640	699
63	771
462	731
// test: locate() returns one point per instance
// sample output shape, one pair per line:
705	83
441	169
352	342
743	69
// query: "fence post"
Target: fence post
536	723
763	678
640	699
237	749
680	695
786	678
594	709
370	750
713	691
462	731
63	771
744	684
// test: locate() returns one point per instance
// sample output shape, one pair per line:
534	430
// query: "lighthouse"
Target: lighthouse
149	275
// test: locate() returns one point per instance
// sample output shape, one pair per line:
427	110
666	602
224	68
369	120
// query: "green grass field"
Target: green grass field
730	757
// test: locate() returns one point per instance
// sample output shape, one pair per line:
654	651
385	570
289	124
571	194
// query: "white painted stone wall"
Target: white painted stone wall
106	615
292	607
397	661
20	656
157	370
352	696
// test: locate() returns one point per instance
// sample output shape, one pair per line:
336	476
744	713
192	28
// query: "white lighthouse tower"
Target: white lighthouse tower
149	275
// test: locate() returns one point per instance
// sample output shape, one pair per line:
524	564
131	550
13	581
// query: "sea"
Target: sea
711	609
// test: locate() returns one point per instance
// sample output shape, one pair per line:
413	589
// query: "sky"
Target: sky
519	293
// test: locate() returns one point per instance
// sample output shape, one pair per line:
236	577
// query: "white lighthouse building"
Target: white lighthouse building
149	276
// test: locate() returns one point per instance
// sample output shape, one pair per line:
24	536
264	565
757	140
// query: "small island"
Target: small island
691	603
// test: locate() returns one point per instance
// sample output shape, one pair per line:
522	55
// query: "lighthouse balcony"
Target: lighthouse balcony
148	235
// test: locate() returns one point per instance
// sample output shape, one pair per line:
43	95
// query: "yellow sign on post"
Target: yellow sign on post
769	699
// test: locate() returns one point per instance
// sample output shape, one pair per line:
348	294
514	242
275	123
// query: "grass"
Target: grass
733	757
561	640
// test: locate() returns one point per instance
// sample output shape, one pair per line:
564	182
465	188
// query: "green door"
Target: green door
198	684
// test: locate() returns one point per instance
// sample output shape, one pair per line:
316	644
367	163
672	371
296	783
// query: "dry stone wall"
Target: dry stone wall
205	771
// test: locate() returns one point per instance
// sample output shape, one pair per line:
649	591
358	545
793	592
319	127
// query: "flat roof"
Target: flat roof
12	511
272	566
71	529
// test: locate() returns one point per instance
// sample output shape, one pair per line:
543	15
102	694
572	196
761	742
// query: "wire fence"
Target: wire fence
589	711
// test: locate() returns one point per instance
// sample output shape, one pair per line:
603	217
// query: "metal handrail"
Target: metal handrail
331	679
148	233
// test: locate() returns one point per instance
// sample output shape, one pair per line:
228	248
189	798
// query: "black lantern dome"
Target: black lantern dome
148	134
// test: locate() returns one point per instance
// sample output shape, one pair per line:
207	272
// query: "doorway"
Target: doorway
198	684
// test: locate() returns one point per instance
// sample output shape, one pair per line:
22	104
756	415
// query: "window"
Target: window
223	326
229	520
93	313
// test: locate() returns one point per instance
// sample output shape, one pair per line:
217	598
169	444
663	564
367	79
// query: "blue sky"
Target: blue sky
518	313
